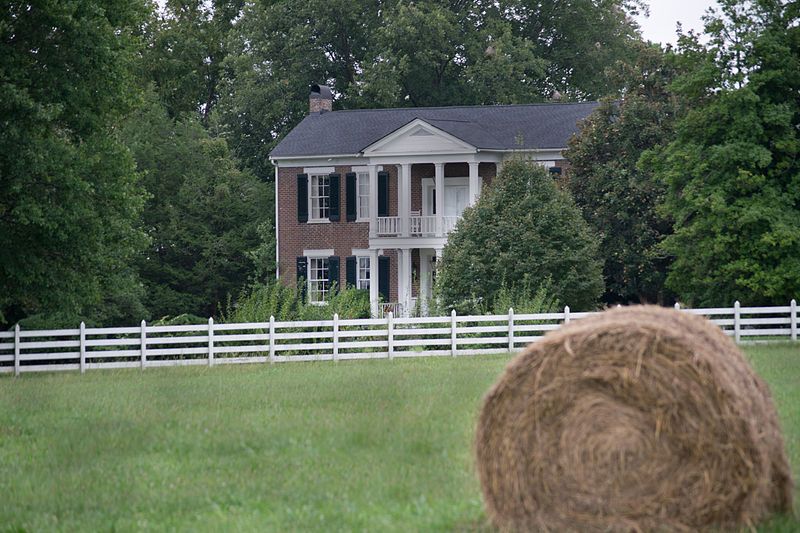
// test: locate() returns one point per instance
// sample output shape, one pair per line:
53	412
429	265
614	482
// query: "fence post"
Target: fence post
510	329
736	325
566	314
210	341
83	347
272	338
677	306
453	343
143	347
793	319
336	337
16	350
390	334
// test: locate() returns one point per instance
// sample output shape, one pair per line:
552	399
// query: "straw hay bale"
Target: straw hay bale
637	419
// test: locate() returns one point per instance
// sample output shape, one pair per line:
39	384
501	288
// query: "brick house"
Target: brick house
358	192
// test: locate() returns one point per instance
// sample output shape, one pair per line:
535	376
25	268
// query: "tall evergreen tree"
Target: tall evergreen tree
618	198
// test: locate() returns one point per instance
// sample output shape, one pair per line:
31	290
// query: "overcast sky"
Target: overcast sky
665	14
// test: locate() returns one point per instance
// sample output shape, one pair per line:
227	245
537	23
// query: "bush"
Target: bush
522	232
286	303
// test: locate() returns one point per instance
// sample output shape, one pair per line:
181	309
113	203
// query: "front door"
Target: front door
456	198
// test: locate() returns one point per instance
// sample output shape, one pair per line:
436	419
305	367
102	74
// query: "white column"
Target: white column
405	296
474	183
404	198
402	278
424	281
373	205
439	252
373	280
439	198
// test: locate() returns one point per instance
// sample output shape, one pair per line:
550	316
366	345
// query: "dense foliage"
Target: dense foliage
618	198
733	172
523	232
203	216
70	198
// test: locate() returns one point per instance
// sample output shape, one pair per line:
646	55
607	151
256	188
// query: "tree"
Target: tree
522	232
187	47
426	53
70	198
207	220
733	172
618	198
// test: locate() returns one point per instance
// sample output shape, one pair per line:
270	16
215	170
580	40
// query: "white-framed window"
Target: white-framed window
362	202
319	195
318	280
362	272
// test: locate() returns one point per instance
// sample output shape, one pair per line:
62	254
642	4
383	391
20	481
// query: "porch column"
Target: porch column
439	198
402	279
373	209
404	199
424	281
474	183
373	282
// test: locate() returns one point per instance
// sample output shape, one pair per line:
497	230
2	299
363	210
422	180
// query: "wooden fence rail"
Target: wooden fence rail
210	343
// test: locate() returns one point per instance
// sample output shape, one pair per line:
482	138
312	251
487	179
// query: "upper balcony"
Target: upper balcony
416	226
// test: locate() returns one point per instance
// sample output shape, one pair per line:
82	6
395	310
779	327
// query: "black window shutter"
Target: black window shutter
333	271
383	277
302	197
302	275
383	194
333	212
351	194
351	267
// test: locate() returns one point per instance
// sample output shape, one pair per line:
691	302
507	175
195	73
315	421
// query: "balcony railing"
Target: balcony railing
418	226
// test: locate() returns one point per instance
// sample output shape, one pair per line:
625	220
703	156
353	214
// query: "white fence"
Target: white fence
327	340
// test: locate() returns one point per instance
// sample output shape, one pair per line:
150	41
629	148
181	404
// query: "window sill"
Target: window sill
318	221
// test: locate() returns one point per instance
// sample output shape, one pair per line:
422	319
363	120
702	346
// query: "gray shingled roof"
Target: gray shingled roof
501	127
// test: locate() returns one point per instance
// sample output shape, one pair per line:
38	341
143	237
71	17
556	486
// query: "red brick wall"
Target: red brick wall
294	236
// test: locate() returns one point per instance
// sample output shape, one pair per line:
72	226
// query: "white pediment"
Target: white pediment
418	137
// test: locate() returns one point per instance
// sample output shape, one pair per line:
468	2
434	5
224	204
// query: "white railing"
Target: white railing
395	308
146	346
418	226
423	225
389	226
450	223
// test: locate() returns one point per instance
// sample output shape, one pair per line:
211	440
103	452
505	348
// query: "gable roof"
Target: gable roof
501	127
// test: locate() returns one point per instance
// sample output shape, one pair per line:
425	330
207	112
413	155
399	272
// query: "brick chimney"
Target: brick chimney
320	100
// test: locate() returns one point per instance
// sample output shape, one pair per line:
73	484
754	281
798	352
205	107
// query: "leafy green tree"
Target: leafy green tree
70	198
523	232
617	197
187	47
207	220
733	171
426	53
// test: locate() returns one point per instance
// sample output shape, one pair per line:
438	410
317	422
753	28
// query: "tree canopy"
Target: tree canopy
618	198
523	232
732	171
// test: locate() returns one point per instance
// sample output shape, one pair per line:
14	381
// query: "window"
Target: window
363	195
318	280
319	195
362	275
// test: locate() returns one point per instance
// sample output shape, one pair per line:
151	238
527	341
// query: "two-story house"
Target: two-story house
367	197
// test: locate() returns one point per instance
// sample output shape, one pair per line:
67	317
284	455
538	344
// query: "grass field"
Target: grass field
370	445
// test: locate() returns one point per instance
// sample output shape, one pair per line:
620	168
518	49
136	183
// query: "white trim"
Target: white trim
319	170
415	124
360	172
359	251
318	253
277	246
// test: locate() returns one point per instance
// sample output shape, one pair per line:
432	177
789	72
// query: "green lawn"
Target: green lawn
367	445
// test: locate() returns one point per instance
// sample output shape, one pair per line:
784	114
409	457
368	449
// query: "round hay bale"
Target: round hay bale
636	419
